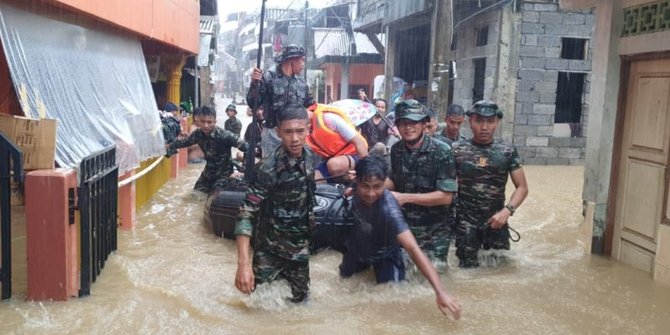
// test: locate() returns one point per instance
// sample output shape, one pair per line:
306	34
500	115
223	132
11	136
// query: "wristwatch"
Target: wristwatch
511	209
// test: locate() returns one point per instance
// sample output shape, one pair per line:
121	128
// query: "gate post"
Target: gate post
51	235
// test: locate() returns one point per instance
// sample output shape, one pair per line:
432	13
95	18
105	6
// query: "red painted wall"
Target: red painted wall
174	22
359	74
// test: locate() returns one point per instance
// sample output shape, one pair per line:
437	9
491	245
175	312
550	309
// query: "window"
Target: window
480	71
573	48
569	97
483	36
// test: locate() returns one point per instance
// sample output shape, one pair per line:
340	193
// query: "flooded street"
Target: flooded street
172	276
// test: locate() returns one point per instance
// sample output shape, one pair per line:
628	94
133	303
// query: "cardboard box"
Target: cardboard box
36	138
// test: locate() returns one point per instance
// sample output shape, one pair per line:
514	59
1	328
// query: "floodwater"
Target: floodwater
170	275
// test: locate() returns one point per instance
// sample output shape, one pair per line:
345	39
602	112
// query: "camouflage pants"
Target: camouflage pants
473	237
207	179
268	268
434	240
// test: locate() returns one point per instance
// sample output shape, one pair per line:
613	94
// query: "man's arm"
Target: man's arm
244	277
435	198
443	299
500	218
185	142
361	145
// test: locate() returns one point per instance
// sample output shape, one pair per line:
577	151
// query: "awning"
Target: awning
96	85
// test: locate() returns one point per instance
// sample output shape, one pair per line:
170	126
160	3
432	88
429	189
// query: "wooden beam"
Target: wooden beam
376	43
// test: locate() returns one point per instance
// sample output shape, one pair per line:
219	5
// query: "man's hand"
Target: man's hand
244	278
445	303
498	220
257	75
399	197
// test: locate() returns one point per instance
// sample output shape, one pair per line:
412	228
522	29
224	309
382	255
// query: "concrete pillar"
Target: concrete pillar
51	237
504	93
175	64
440	55
126	203
389	65
602	119
344	81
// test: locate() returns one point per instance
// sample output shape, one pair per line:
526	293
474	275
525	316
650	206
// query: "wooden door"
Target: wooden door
643	173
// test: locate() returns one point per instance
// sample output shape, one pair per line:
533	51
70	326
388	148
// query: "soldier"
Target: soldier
278	212
483	164
424	179
454	119
276	89
215	144
233	125
380	231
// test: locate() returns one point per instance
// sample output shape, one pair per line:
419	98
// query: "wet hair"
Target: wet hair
374	102
196	112
372	167
431	114
207	111
455	110
292	112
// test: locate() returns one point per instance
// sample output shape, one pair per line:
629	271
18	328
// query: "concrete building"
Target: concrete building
531	57
626	176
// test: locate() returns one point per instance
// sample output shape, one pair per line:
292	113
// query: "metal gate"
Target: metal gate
10	154
98	194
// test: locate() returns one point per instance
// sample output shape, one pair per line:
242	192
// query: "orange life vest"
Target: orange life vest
324	141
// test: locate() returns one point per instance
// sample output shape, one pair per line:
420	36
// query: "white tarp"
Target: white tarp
94	83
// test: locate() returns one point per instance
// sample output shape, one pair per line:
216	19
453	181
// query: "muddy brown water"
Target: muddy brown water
170	275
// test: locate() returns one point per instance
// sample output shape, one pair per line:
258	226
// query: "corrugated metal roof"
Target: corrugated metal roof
336	42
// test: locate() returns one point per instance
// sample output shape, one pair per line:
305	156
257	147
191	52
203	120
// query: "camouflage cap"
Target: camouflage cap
232	107
290	51
410	109
485	108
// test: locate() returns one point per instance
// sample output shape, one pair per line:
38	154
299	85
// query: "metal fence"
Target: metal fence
98	194
12	159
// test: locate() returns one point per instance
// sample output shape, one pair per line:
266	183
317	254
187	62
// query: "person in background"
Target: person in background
277	88
232	125
215	143
455	116
380	230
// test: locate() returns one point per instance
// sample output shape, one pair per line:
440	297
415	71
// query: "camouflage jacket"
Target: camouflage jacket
441	135
216	147
278	208
482	172
234	126
427	169
275	91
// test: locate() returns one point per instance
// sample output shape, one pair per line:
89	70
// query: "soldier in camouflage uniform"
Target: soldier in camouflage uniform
276	89
232	125
215	143
423	178
454	119
278	212
483	164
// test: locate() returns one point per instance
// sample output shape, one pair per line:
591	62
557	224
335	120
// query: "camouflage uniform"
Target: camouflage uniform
275	91
233	125
482	175
284	194
441	135
216	147
427	169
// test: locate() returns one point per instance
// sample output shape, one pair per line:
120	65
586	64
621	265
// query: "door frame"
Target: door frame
617	149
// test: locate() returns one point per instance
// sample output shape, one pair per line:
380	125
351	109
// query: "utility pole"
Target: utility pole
306	35
440	47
